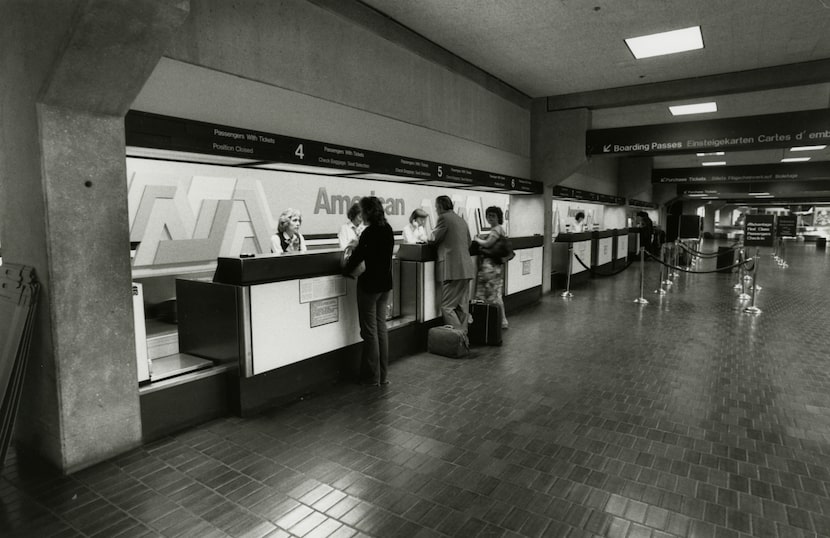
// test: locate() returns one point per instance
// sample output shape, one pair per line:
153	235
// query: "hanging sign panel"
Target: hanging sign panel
758	230
786	226
747	173
182	135
803	128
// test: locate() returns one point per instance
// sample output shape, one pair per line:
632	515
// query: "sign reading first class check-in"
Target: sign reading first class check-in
756	132
178	134
758	230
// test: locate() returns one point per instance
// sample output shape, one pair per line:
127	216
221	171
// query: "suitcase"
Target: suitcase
485	328
447	341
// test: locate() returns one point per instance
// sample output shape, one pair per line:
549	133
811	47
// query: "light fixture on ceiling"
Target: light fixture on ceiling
712	154
696	195
765	196
665	42
795	159
696	108
758	194
808	148
714	163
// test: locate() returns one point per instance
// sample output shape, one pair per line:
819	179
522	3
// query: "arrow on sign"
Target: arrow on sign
606	148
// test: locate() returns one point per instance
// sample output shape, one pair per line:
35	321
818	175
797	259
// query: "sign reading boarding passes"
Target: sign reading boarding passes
805	128
758	230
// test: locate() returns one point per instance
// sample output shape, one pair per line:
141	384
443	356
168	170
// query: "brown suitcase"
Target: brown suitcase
448	342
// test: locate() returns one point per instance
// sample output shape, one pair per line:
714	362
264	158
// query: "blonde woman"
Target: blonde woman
288	237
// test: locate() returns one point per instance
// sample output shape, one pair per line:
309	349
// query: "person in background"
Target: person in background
646	231
350	231
454	267
579	223
288	237
414	232
374	248
490	279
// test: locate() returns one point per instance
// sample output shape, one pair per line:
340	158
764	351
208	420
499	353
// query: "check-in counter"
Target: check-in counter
602	250
620	248
523	274
272	313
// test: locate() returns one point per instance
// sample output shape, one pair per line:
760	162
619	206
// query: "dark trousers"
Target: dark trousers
371	312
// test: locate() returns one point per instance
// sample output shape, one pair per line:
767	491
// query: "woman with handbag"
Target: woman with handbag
374	249
493	248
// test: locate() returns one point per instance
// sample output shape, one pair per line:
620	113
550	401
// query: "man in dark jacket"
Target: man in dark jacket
454	267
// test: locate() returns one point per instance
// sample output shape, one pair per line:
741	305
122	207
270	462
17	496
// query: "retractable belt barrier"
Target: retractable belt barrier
601	274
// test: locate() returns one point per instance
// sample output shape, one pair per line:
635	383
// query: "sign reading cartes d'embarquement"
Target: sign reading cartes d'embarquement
804	128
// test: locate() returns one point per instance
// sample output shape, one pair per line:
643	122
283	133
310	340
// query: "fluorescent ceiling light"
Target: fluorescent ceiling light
708	197
665	42
697	108
808	148
713	154
700	194
795	159
759	194
714	163
766	196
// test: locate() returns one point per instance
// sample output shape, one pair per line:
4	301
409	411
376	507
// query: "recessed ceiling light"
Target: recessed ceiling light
808	148
665	42
795	159
765	196
714	163
697	108
696	195
713	154
759	194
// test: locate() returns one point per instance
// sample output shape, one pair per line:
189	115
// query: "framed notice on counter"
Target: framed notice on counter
324	311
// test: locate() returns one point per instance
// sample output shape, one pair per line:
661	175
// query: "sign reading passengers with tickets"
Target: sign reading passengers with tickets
758	230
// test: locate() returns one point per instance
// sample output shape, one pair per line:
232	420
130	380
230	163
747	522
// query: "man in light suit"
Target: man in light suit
454	267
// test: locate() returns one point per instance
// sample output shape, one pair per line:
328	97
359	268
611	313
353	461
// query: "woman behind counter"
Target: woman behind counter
288	237
415	232
490	279
374	247
351	230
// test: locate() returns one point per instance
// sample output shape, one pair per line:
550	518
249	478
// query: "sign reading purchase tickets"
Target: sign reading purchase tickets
758	230
786	226
745	173
804	128
148	130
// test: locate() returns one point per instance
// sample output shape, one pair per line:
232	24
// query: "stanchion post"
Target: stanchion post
641	299
660	290
752	309
784	263
567	293
663	257
740	283
743	280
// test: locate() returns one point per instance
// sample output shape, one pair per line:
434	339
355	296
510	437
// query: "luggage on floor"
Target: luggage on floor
447	341
485	328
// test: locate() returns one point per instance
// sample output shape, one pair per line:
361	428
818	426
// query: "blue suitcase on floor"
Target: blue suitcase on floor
485	328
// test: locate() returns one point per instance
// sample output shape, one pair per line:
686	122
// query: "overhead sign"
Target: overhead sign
788	188
586	196
178	134
758	230
755	132
746	173
786	226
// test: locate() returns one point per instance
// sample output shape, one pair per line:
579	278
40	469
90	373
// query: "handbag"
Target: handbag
500	250
344	259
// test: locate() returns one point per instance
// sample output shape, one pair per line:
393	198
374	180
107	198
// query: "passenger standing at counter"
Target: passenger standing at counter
414	232
374	247
288	237
350	231
454	268
646	231
490	279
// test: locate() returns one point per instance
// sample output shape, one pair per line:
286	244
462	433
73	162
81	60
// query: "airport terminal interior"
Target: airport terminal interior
180	349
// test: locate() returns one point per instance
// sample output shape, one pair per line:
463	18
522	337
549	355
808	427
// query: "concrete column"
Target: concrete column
557	149
64	190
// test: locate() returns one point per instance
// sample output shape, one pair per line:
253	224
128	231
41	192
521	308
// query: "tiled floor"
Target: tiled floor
598	417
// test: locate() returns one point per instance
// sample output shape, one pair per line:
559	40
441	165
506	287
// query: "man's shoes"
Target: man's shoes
384	382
